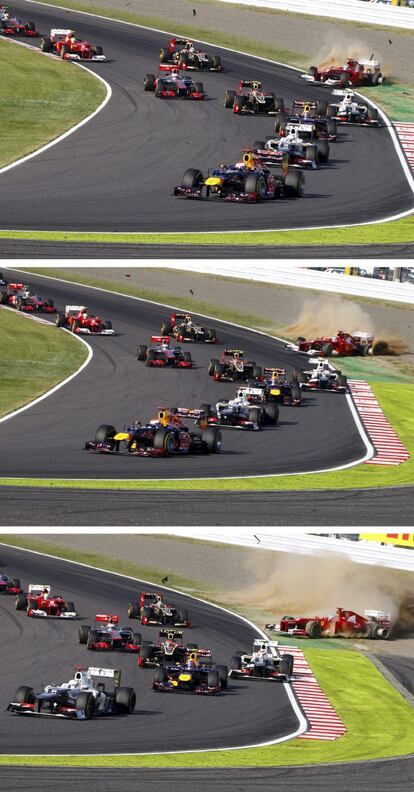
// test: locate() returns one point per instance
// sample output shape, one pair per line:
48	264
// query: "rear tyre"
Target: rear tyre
313	629
137	639
296	394
257	371
213	679
60	320
344	80
149	82
93	637
323	150
259	145
145	654
331	127
164	440
332	111
327	350
15	583
142	352
133	610
235	663
45	45
211	335
187	357
84	631
205	408
238	103
213	440
271	411
321	108
215	62
294	184
223	673
280	122
125	700
164	55
212	366
20	601
312	71
63	51
311	154
373	114
255	184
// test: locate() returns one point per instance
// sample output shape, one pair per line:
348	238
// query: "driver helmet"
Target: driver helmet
236	355
136	424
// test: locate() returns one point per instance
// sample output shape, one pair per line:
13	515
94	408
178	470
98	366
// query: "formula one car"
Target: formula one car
162	355
349	111
80	698
232	367
164	436
342	345
322	377
342	624
317	116
183	328
184	55
248	410
295	148
2	281
77	319
251	99
38	603
353	72
265	660
170	651
65	45
151	608
278	388
196	674
108	635
249	181
10	26
171	86
9	585
20	296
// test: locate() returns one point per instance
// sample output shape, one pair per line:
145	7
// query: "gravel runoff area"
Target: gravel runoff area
314	37
223	568
280	305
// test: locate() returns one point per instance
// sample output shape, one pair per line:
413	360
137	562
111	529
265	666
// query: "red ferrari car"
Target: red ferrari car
19	296
65	45
342	624
77	319
353	72
342	344
38	602
162	354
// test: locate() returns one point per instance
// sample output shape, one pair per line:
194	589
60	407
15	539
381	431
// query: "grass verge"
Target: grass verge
394	397
40	99
32	367
380	723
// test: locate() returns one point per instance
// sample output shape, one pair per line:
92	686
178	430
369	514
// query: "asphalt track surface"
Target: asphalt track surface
47	439
386	507
117	173
26	248
402	668
38	652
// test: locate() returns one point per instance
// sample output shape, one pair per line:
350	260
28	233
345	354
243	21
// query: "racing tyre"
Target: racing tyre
223	673
160	674
3	297
199	87
105	433
144	655
75	325
321	108
280	122
165	328
93	637
142	352
373	114
60	320
215	62
238	103
48	303
294	184
377	78
313	629
311	154
327	350
219	371
342	381
84	631
182	63
183	617
380	633
192	178
296	394
187	357
205	408
213	679
164	440
24	695
288	658
312	71
133	610
255	184
108	325
151	355
64	50
259	145
211	335
149	82
256	416
332	111
160	87
85	701
256	371
284	667
15	582
229	98
20	602
137	639
213	440
279	105
164	55
98	50
45	45
69	607
323	150
235	663
271	412
344	80
146	613
331	127
30	26
125	700
212	366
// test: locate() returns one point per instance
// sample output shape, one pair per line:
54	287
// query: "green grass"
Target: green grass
379	721
40	99
33	357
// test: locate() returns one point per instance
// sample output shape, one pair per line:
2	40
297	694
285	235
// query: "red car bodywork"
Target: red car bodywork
342	344
19	296
80	322
343	624
353	72
37	604
113	639
15	27
171	86
160	354
9	585
64	44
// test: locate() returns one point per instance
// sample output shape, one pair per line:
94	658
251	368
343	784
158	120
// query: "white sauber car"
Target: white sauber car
350	111
79	698
265	661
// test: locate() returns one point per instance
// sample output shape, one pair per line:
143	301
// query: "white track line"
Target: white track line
302	727
385	118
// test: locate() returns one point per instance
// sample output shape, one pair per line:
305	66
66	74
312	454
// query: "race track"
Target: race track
47	439
39	652
117	172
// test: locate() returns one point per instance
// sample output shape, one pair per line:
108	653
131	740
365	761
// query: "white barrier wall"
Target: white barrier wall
350	10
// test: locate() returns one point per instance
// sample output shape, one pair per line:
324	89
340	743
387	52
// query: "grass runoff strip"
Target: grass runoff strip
380	722
34	358
395	398
40	98
396	99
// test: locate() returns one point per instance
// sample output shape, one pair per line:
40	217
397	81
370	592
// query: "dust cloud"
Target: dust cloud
315	585
388	346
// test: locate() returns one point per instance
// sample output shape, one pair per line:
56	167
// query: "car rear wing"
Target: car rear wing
33	587
160	339
251	84
77	308
171	634
105	618
381	616
179	41
274	370
105	673
302	104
